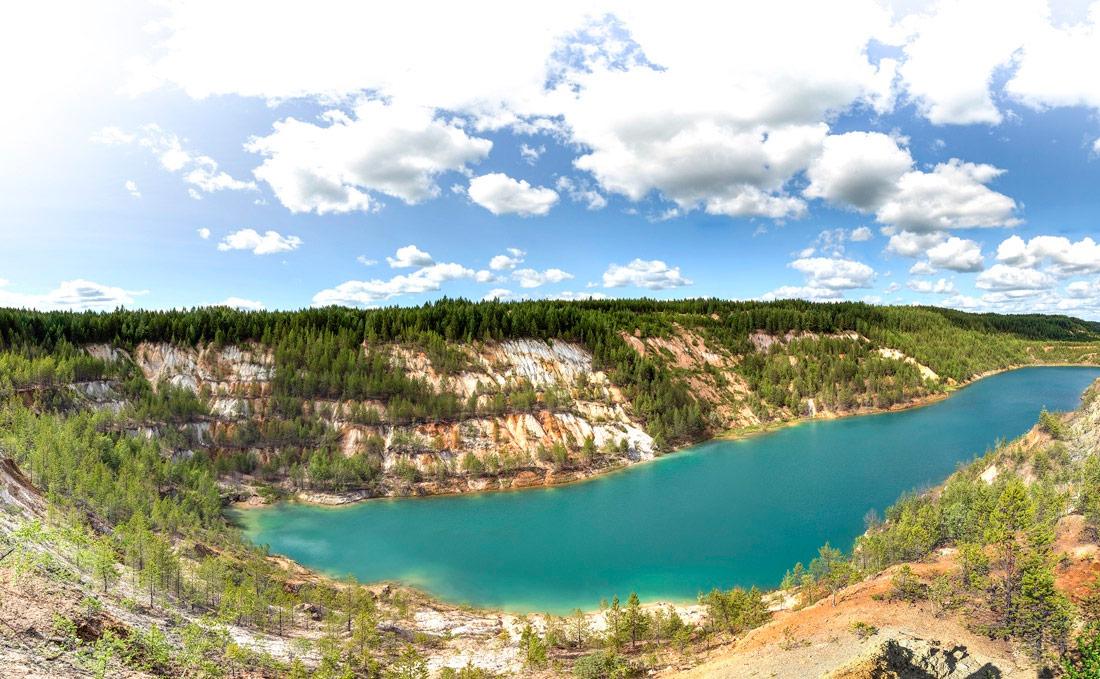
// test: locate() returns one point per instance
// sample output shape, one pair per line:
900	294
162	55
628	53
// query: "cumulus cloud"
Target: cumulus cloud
651	275
861	234
392	149
1063	257
366	261
909	244
241	303
204	233
531	154
199	171
500	194
922	269
957	254
695	117
509	261
872	173
834	274
269	243
572	296
860	169
530	278
132	188
370	293
503	295
410	256
579	191
803	292
832	241
940	287
892	288
1005	278
75	295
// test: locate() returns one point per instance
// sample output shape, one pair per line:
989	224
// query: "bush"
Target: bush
905	586
602	665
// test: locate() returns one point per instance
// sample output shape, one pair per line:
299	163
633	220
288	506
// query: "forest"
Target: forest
145	523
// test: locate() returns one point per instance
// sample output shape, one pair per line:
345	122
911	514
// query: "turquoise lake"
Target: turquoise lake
722	513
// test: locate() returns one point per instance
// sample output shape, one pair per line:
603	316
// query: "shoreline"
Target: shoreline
774	596
339	500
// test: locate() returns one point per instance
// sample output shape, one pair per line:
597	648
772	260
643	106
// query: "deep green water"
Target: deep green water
722	513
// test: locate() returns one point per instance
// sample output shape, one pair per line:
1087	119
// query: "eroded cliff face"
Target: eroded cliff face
512	449
576	402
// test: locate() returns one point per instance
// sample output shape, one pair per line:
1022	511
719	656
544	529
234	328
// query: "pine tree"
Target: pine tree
635	619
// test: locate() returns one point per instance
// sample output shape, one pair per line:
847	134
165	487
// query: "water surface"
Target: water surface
722	513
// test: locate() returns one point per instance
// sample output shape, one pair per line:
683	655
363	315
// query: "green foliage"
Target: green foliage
603	665
1051	424
1084	662
735	610
905	586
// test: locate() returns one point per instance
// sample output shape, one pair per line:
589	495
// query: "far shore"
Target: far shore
337	500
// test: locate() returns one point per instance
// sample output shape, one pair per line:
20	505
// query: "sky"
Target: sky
285	155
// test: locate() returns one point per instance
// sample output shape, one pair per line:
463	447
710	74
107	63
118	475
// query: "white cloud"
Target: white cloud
507	262
579	191
503	295
241	303
909	244
1005	278
651	275
860	169
872	173
1064	257
953	195
269	243
198	170
1085	290
892	288
501	195
410	256
369	293
948	65
803	292
530	278
393	149
832	241
940	287
834	274
957	254
922	268
366	261
531	153
132	188
571	296
76	295
206	176
861	234
1050	63
695	117
204	233
486	276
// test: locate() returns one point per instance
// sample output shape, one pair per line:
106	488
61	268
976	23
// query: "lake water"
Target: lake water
722	513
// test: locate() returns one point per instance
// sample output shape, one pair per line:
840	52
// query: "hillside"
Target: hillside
335	405
988	574
124	435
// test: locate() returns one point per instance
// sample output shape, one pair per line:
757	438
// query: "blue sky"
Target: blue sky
281	156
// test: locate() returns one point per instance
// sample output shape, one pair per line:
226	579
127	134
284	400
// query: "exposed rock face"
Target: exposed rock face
16	490
913	658
237	381
228	369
